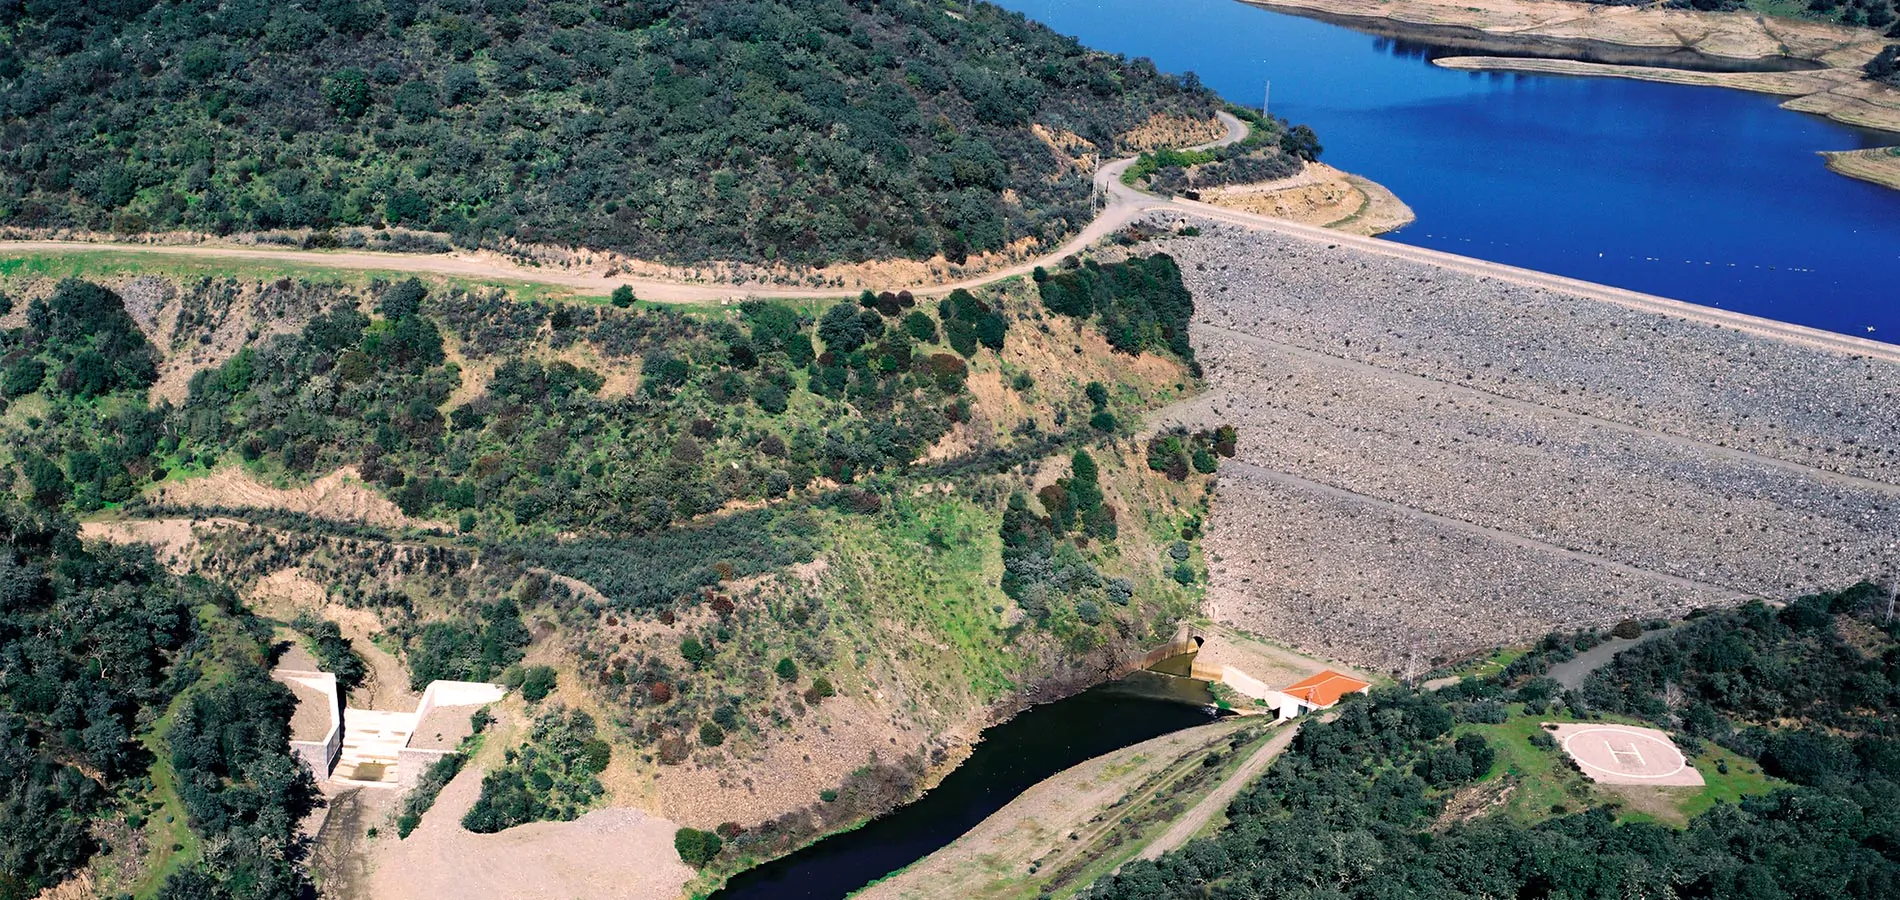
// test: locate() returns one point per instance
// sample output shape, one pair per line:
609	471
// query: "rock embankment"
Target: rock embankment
1433	462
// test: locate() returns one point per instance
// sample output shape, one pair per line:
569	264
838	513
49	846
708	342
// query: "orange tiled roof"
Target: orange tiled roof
1325	688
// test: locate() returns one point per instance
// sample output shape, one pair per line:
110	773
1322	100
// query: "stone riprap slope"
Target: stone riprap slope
1433	462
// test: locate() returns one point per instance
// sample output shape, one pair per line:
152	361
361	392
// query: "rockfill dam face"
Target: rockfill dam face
1434	462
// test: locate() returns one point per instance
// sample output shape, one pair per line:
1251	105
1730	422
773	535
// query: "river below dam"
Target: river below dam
1011	758
1708	195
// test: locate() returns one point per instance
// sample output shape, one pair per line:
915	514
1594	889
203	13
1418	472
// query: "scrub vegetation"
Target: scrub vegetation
810	131
1273	149
1788	712
688	535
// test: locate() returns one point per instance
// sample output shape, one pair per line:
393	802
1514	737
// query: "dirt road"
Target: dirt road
1121	204
1217	799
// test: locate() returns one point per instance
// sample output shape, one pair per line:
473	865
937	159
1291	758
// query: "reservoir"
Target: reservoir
1011	758
1708	195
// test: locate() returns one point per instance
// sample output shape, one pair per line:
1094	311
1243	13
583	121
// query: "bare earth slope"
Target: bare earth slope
608	853
1434	461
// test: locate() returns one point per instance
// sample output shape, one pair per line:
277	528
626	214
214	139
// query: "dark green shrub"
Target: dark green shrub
697	848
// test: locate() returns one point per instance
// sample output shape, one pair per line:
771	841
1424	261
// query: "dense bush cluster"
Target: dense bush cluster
1141	303
245	793
551	777
1044	563
332	650
652	571
462	650
728	408
809	130
1174	451
86	641
96	644
1809	689
1886	66
78	346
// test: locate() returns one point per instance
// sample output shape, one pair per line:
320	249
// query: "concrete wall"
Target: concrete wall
457	693
319	756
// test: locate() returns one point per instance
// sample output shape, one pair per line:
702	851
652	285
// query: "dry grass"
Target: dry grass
340	496
1320	195
1880	165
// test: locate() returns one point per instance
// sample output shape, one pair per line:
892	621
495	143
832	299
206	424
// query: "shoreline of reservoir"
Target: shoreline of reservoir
1879	165
1560	37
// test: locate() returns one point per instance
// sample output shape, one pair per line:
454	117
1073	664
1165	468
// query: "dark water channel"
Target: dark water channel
1702	194
1011	758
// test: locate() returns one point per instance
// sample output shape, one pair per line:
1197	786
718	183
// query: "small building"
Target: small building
1315	692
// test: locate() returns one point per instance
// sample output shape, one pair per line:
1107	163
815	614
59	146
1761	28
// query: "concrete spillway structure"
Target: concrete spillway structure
377	747
392	749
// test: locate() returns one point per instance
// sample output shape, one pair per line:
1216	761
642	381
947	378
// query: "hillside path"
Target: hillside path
1217	799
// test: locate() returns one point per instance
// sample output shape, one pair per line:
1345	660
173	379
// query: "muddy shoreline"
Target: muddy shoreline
1433	41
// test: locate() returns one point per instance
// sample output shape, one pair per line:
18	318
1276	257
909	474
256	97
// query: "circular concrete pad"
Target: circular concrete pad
1625	754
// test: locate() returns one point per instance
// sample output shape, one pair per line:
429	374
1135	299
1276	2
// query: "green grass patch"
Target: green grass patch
114	263
1492	664
1547	786
173	845
929	565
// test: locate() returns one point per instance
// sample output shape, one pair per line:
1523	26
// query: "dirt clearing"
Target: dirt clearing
607	854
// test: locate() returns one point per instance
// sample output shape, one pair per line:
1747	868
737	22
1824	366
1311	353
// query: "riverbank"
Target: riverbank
1086	820
1840	94
1880	165
1740	35
1320	195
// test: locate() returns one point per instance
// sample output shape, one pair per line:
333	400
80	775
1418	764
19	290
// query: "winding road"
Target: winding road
1121	204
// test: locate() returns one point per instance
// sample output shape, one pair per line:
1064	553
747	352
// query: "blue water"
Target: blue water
1701	194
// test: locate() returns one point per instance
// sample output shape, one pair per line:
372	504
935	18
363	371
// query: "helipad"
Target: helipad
1624	754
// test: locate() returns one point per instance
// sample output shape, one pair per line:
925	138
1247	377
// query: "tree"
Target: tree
1300	141
697	848
347	92
1885	66
711	735
787	670
623	296
841	329
920	327
694	652
403	299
